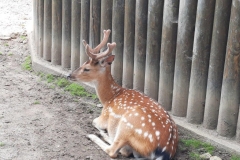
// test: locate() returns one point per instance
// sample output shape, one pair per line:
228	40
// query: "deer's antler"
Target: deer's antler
96	50
110	47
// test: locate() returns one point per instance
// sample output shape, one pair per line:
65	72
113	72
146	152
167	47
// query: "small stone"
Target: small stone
5	38
25	41
215	158
205	156
99	105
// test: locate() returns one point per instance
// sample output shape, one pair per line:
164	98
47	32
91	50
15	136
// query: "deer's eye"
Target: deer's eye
86	70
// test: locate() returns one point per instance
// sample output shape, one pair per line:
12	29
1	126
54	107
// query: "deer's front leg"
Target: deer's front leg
100	123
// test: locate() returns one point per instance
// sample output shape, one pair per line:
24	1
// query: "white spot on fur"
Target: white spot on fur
153	124
130	125
145	134
142	118
139	131
157	133
164	149
143	124
150	137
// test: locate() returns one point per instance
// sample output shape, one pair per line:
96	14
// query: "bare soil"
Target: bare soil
38	121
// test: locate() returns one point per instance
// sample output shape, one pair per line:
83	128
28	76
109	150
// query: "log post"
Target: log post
56	31
75	34
200	61
154	31
106	16
84	35
40	26
230	96
140	44
168	52
47	35
66	34
185	36
118	37
216	63
128	51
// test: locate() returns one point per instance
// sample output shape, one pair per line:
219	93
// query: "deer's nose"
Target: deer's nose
69	76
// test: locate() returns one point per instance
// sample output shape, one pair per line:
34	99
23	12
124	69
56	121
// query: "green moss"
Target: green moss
0	53
76	90
235	157
2	144
196	144
195	156
94	96
50	78
62	82
27	64
36	102
23	37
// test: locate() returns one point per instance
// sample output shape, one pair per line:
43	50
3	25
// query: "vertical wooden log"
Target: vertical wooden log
185	36
140	44
56	31
154	28
229	104
84	35
106	16
238	127
118	37
66	34
47	35
200	61
216	63
40	31
128	50
168	52
75	34
95	18
35	18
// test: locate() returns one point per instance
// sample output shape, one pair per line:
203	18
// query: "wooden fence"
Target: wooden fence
185	54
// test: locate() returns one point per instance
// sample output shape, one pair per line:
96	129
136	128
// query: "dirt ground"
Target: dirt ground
36	120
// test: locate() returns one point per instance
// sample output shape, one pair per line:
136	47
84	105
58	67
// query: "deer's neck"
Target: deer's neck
107	88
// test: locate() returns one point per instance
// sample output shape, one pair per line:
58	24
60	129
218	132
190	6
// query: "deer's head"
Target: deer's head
98	63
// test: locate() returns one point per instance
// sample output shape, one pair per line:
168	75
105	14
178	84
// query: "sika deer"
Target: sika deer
134	122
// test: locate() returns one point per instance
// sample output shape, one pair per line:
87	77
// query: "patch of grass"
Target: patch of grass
234	157
195	156
2	144
23	37
10	54
197	144
50	78
76	90
0	53
94	96
6	44
36	102
62	82
52	87
27	64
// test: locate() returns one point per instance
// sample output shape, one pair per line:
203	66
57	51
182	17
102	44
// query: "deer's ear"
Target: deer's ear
107	61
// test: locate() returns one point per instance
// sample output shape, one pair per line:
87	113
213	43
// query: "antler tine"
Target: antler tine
109	50
106	34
